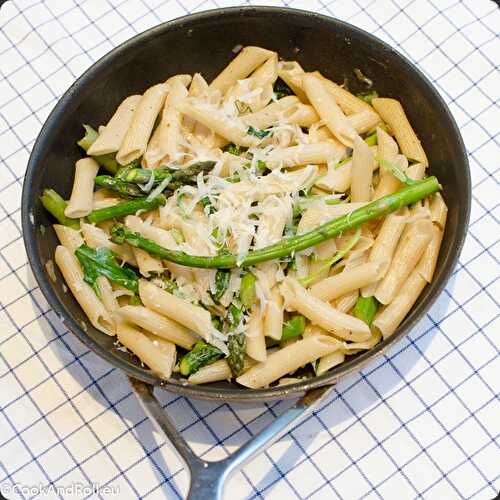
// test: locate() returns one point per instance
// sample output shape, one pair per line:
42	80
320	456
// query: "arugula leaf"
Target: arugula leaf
207	204
222	277
103	262
281	89
260	133
234	149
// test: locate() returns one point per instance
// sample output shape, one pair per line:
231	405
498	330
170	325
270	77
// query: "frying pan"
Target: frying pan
205	42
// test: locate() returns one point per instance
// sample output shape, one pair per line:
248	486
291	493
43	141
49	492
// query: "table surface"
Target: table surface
423	421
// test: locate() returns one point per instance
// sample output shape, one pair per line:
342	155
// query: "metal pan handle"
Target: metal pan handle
208	478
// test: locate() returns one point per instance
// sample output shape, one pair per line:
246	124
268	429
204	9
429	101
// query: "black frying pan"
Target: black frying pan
204	42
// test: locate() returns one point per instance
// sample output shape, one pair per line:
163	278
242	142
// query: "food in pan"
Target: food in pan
246	228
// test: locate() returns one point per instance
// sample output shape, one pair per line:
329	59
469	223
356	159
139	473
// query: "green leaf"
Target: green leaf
221	283
103	262
294	327
281	89
365	309
258	132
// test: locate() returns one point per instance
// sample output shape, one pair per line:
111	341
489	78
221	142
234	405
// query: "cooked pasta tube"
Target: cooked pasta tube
301	114
346	302
217	371
391	316
408	252
323	251
68	237
339	177
315	216
304	154
320	313
136	139
267	73
248	59
363	121
83	293
327	362
326	106
291	73
439	210
159	325
388	184
81	201
348	280
349	103
427	264
108	298
353	347
416	171
361	175
270	114
273	319
164	145
255	340
193	317
147	265
287	360
111	138
394	115
95	237
387	149
233	129
158	354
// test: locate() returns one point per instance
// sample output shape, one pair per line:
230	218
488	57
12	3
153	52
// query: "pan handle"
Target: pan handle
207	478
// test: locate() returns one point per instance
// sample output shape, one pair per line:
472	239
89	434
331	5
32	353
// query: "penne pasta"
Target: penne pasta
391	316
255	341
159	325
158	354
291	73
136	139
361	175
347	281
408	252
68	237
240	67
111	138
320	313
195	318
393	114
81	201
326	106
274	314
363	121
287	360
83	293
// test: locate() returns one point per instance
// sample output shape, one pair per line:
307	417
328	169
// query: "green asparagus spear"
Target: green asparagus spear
247	290
106	161
55	204
221	283
289	245
102	262
202	354
236	344
122	188
182	175
125	208
294	327
365	309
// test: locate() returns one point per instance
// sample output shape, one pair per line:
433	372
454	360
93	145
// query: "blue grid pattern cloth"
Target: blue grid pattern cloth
422	421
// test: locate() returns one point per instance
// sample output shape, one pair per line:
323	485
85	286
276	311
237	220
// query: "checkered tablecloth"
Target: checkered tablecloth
423	421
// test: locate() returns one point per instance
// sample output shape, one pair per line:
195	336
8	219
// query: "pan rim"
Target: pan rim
235	394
